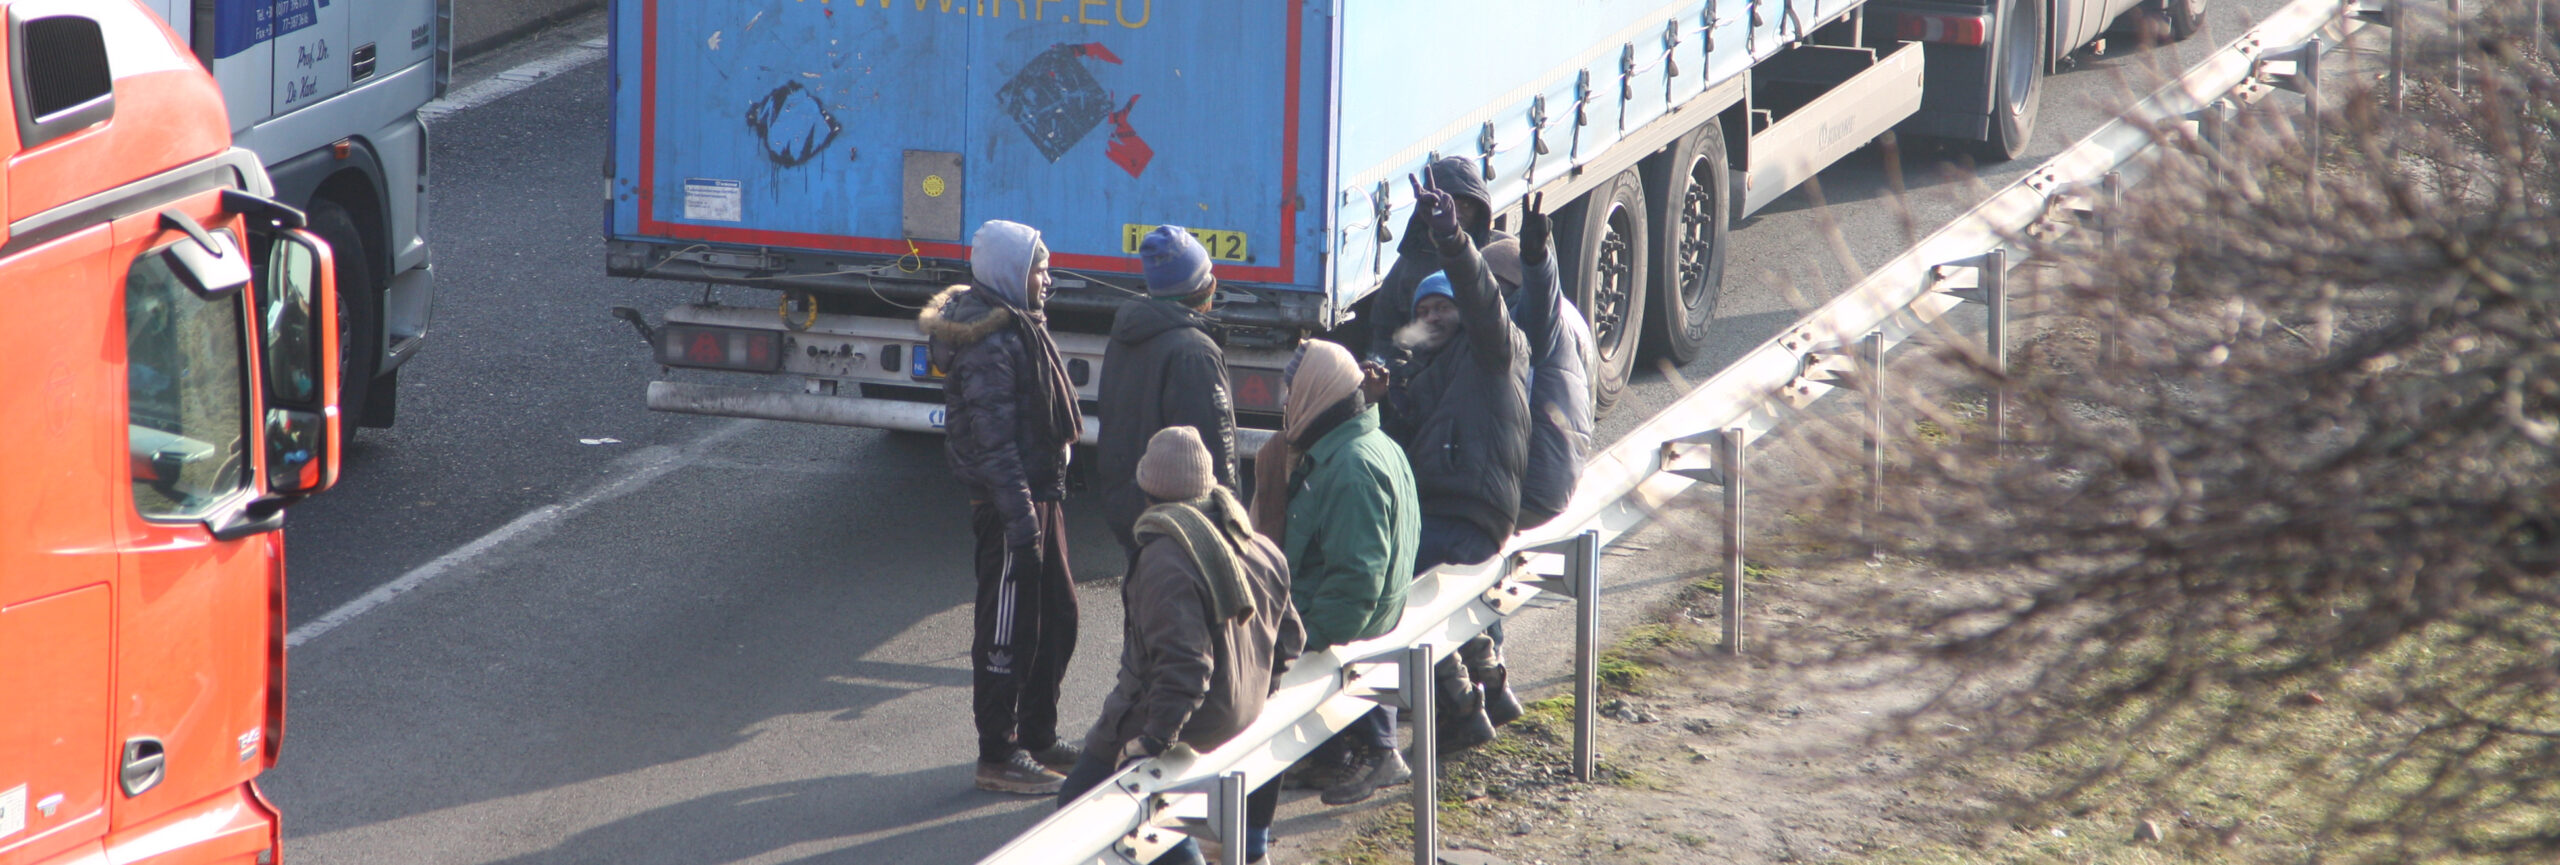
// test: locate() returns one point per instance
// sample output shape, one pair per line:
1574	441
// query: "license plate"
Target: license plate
1223	245
920	366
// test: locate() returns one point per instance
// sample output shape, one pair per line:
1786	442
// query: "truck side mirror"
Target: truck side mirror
298	333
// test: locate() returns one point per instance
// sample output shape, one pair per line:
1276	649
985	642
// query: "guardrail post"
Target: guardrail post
2453	17
1991	290
1226	816
2304	79
1582	567
1422	704
1729	458
1871	356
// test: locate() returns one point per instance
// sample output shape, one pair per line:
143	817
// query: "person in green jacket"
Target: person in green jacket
1350	519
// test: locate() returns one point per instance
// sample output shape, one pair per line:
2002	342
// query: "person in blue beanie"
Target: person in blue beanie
1163	368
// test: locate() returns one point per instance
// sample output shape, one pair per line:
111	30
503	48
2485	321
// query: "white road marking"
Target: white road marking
635	471
512	81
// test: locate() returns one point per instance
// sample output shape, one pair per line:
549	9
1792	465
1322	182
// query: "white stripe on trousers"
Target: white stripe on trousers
1004	600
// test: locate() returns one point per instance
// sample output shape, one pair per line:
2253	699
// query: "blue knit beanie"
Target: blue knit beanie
1437	283
1176	264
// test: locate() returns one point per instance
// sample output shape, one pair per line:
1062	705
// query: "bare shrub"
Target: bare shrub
2296	479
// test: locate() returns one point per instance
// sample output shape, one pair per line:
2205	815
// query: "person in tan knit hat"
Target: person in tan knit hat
1207	623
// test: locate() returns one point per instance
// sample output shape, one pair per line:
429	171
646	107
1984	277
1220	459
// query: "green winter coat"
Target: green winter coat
1354	524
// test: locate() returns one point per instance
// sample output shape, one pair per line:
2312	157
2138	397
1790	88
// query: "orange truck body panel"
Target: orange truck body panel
117	627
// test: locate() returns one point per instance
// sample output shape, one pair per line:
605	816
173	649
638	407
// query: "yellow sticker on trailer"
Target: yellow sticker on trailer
1223	245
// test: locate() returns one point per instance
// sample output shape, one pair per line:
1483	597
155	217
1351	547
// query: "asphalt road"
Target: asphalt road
636	637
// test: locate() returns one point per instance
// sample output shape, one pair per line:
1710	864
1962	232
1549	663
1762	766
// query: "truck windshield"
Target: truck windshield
187	394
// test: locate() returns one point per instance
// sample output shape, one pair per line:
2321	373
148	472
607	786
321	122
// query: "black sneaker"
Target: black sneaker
1059	757
1378	767
1327	765
1018	773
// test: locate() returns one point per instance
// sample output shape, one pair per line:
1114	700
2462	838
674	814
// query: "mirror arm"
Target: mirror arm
261	515
274	215
172	218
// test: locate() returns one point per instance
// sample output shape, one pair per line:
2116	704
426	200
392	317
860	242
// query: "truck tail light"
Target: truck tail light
1257	389
1967	30
720	348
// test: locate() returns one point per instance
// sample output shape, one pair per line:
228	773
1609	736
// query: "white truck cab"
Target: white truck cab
326	93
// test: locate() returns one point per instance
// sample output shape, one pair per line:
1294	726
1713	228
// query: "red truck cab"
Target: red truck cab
168	363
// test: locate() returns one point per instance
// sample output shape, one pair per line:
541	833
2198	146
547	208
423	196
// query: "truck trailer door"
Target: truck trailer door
896	128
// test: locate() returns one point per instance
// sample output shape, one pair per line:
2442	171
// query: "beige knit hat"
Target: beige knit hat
1176	465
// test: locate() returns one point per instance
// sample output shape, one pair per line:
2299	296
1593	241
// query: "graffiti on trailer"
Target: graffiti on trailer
1055	99
792	125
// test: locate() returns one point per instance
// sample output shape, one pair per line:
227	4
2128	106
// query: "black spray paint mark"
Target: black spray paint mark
1055	100
792	124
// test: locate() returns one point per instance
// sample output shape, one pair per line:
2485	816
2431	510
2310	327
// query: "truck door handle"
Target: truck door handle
145	763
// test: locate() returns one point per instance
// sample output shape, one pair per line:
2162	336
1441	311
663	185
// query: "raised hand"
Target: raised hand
1438	207
1535	229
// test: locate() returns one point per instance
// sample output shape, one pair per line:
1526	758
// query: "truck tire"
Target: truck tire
359	313
1689	243
2017	80
2185	18
1608	264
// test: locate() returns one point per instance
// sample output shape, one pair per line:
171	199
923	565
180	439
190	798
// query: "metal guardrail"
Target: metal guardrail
1702	438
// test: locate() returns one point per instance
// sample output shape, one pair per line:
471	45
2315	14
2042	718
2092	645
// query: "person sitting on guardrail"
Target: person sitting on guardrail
1208	626
1010	415
1391	306
1163	367
1459	404
1342	496
1560	414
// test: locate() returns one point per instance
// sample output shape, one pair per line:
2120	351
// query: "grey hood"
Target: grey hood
1000	256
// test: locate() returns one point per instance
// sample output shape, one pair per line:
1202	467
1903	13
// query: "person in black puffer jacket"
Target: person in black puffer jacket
1560	361
1163	368
1010	415
1459	403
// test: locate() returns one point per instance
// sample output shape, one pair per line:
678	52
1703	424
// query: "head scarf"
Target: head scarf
1326	375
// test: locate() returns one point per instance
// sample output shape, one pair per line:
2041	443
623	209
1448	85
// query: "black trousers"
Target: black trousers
1026	632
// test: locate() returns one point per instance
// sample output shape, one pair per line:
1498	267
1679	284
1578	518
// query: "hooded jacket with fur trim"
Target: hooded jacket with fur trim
997	447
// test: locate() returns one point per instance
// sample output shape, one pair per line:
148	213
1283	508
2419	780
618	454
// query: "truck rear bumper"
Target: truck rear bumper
724	401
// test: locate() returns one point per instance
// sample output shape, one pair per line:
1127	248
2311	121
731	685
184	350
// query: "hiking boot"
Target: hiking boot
1464	723
1378	767
1018	773
1327	765
1500	705
1059	757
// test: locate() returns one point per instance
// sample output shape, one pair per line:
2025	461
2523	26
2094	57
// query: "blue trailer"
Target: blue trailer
819	164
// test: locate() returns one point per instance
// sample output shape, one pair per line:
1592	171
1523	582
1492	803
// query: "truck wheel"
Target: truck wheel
1608	271
2017	84
359	313
2185	18
1689	244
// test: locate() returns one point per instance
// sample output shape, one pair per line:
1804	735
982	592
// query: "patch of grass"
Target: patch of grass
1929	431
1694	842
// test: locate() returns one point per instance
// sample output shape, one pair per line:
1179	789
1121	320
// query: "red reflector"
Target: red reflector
1257	390
720	348
1965	30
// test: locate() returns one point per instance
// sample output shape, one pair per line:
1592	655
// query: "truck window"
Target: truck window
188	398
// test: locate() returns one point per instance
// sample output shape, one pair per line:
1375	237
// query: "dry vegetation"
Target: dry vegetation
2279	532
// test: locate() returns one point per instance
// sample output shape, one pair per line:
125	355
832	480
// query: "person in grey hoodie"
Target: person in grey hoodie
1163	368
1010	415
